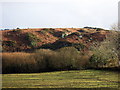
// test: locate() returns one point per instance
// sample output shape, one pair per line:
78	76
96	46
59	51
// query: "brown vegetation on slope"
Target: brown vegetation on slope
29	39
58	49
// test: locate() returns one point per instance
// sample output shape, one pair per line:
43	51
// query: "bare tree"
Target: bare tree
116	27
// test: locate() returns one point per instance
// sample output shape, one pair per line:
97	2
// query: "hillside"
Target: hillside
54	49
50	38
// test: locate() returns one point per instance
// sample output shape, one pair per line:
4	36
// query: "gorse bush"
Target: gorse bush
47	30
17	30
32	39
9	43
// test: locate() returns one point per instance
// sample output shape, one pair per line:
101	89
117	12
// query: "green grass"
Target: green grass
62	79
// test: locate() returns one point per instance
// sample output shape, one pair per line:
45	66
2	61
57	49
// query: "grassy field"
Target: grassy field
62	79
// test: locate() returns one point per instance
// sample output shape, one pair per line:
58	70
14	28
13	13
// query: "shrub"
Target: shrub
17	30
47	30
18	63
78	46
97	61
68	58
64	58
32	39
9	43
42	58
43	31
105	53
99	29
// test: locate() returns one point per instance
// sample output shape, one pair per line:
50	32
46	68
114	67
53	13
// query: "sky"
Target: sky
58	13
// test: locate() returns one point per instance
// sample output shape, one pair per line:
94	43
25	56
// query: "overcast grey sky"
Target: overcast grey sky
59	13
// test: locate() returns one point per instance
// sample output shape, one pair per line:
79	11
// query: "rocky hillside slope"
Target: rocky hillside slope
17	40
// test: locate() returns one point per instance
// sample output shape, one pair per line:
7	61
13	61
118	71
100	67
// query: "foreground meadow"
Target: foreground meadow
63	79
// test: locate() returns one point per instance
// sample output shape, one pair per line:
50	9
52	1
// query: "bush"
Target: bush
105	53
32	39
17	30
9	43
64	58
67	58
47	30
18	63
78	46
99	29
97	61
42	57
